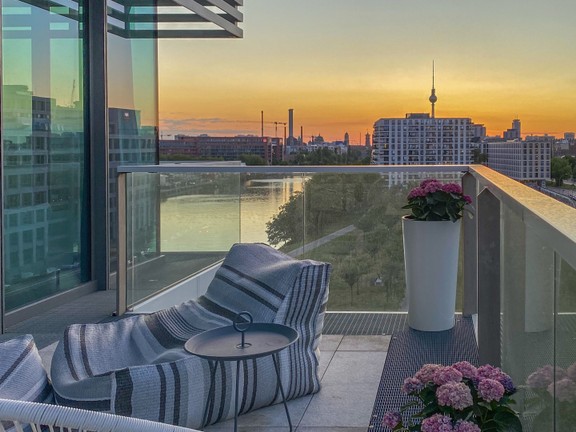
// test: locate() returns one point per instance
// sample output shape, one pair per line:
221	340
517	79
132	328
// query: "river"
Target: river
206	223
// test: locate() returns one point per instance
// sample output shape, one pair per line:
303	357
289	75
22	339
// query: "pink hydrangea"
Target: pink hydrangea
426	372
466	426
392	419
467	198
416	193
565	390
466	369
432	186
489	371
452	188
455	395
447	374
490	390
437	423
412	385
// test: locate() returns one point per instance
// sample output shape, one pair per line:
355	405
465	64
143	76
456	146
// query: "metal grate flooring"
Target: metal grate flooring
363	324
408	351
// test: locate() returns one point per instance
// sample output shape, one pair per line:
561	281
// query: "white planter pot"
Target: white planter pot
431	262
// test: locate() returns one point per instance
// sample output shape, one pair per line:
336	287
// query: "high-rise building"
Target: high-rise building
70	116
515	132
420	139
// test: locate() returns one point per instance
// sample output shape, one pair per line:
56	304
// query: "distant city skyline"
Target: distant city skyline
342	66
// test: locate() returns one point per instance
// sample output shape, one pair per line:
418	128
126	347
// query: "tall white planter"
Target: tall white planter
431	262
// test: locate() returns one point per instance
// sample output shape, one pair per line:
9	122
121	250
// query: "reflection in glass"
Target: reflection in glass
44	151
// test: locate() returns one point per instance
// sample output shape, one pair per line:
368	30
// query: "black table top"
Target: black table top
224	343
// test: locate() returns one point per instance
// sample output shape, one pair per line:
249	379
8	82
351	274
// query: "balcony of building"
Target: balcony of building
516	276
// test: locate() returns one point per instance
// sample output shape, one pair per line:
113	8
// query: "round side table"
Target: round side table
233	344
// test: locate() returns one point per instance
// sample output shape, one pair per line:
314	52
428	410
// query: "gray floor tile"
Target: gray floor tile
355	367
273	416
330	429
330	342
229	428
341	405
364	343
325	360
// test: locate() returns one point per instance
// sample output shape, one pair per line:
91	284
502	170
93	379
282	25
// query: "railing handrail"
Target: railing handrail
182	168
551	219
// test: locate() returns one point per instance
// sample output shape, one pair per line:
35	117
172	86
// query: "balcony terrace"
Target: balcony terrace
516	284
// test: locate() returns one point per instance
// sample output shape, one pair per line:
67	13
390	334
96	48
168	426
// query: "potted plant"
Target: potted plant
457	398
431	236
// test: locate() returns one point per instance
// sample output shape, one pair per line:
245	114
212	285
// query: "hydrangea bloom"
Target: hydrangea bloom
392	419
490	390
455	395
446	374
412	385
466	426
452	188
433	200
426	373
565	390
437	423
496	374
466	369
416	193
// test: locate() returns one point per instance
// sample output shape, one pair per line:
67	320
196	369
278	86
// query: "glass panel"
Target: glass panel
197	220
352	221
44	151
133	118
264	196
528	278
565	383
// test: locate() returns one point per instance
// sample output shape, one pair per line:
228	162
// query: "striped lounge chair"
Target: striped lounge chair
137	366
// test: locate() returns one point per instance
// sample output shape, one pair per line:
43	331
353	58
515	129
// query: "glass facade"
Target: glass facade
133	124
44	151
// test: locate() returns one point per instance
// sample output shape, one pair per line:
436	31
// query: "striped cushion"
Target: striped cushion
137	366
22	375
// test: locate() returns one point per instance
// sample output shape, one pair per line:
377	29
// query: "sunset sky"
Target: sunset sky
343	64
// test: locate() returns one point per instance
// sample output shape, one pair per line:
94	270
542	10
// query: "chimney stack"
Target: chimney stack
291	124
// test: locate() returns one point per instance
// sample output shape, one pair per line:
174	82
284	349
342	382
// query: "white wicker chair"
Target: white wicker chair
41	417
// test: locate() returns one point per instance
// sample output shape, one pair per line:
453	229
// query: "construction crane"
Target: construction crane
276	128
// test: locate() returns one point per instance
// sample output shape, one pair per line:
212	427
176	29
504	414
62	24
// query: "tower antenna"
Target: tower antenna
433	97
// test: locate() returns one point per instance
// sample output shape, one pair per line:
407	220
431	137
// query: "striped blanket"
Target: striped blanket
137	366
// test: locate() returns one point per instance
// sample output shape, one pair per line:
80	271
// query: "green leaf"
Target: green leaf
508	421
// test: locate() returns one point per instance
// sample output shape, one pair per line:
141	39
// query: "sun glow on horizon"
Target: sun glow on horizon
342	67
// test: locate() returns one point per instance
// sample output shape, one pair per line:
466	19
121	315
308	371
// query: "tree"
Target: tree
478	157
252	159
560	170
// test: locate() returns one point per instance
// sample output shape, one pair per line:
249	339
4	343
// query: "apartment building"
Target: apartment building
420	139
527	160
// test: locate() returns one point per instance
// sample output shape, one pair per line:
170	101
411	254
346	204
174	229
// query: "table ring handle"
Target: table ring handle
242	322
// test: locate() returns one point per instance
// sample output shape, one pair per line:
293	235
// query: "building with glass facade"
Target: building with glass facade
79	97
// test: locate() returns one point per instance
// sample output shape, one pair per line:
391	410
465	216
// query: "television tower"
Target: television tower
433	97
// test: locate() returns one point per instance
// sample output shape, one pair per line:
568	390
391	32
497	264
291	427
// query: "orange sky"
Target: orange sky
343	65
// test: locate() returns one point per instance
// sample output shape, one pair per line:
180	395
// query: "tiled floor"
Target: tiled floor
350	368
